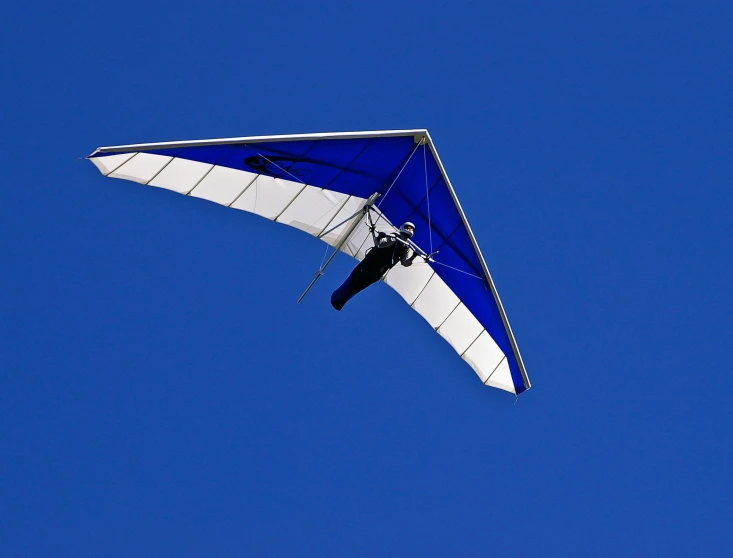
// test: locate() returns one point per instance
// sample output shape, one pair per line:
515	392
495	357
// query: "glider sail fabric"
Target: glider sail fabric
318	183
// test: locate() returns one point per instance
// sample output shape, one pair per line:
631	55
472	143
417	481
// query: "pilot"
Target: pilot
388	250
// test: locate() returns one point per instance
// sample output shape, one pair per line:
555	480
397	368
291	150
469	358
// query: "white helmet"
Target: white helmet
407	229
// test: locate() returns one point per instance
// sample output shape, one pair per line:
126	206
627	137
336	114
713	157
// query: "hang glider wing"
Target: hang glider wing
317	182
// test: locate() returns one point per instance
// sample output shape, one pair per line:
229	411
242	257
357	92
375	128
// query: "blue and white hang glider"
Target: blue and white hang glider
333	186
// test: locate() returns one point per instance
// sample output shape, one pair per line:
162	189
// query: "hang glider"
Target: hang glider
333	186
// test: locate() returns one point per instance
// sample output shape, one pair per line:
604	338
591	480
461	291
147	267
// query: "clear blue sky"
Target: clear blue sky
161	392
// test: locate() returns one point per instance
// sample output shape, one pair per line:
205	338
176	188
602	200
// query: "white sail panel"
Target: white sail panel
268	196
312	210
223	185
460	329
181	175
501	378
111	162
484	355
141	168
436	301
409	282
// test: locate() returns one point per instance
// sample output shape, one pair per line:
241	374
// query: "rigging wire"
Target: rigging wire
282	169
398	174
459	270
427	193
323	259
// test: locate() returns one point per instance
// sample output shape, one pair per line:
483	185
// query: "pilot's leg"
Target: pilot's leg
363	275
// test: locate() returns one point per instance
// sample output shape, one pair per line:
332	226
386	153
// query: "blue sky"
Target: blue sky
161	392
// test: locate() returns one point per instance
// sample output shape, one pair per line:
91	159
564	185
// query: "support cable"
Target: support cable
459	270
282	169
427	194
396	178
